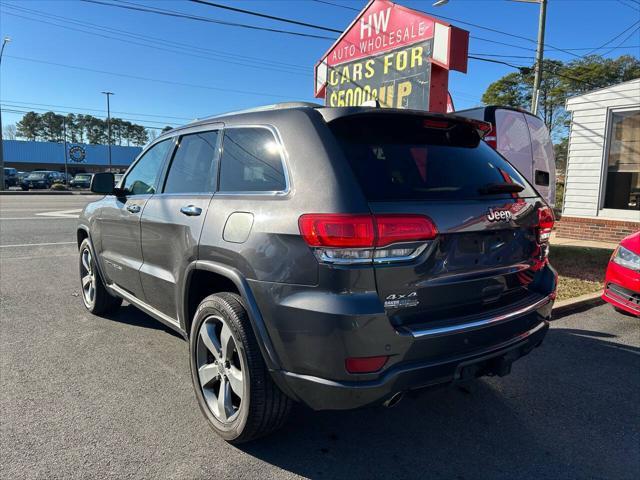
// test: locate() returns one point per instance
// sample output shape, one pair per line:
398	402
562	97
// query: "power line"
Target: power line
221	53
630	6
624	40
99	110
164	49
613	39
502	56
264	15
6	104
173	13
524	68
337	5
12	110
148	79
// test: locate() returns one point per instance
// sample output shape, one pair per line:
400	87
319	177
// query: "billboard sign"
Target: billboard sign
395	55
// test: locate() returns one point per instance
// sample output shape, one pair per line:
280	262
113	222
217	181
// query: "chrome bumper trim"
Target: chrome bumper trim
476	324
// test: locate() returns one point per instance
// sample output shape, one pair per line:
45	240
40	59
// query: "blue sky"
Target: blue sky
230	68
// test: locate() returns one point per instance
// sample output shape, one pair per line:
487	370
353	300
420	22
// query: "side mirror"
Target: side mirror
103	183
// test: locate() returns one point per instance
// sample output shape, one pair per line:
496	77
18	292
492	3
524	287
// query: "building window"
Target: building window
622	190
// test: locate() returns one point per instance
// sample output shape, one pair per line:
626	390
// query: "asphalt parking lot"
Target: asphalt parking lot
89	397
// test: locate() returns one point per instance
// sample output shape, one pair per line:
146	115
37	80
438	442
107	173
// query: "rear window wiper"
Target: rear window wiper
500	188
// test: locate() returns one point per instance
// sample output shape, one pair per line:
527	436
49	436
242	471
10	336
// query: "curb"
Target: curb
45	192
577	304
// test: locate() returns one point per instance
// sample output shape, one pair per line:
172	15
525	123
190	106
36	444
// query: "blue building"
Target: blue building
80	157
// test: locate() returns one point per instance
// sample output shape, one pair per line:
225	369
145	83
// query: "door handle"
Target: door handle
133	208
191	210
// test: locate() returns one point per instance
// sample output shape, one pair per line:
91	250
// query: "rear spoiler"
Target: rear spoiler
431	120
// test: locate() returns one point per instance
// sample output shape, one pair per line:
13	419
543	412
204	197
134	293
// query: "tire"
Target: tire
262	407
95	296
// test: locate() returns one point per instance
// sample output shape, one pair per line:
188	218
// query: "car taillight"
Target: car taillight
329	230
545	224
491	138
344	238
365	364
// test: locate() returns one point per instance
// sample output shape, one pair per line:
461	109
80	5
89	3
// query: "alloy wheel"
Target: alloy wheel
221	369
88	277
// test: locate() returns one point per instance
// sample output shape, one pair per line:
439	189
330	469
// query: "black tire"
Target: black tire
263	407
101	301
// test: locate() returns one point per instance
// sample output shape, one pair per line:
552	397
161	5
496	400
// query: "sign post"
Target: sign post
394	55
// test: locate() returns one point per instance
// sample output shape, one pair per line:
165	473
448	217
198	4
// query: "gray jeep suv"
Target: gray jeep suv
336	257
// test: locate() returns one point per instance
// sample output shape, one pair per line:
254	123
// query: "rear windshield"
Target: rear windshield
37	175
405	158
83	177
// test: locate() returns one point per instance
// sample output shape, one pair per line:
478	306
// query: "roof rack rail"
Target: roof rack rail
274	106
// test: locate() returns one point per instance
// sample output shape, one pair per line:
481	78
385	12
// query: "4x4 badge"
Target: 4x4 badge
401	300
498	215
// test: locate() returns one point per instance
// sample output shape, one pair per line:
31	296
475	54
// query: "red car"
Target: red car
622	282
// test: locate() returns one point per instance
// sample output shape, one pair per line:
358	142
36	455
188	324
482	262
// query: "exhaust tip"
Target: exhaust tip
394	400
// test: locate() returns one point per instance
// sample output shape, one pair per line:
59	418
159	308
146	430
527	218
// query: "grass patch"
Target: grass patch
580	269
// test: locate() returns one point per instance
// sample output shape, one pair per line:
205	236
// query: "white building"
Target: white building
602	183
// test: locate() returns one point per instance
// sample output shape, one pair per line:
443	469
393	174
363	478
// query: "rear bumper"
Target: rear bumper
323	394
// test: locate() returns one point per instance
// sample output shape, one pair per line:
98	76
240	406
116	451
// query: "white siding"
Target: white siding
587	144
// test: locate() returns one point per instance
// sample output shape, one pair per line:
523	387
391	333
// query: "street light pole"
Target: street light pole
108	94
539	57
4	42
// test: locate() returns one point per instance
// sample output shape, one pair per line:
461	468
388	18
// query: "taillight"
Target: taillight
491	138
340	238
330	230
365	364
545	224
403	228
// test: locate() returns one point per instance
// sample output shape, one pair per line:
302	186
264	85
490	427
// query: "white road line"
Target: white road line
37	244
73	213
39	218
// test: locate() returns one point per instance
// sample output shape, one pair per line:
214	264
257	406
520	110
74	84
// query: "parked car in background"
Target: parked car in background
337	257
38	180
22	176
523	139
81	180
10	177
622	281
117	177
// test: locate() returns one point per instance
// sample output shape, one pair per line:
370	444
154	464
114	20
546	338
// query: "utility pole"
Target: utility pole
64	138
108	94
4	42
539	56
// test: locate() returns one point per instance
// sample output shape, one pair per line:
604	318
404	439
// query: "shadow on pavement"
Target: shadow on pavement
130	315
569	410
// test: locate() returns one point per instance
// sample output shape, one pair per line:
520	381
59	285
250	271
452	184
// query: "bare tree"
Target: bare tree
9	132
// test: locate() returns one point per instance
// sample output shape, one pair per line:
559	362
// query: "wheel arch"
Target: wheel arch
221	278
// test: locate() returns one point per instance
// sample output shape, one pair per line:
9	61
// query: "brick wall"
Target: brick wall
595	229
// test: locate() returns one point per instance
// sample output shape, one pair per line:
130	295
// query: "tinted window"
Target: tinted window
251	161
192	169
401	158
513	139
142	177
541	145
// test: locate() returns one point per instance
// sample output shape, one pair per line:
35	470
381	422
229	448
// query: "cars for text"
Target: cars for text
336	257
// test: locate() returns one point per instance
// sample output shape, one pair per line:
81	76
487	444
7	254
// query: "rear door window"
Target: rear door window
403	158
513	139
251	161
541	144
193	167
